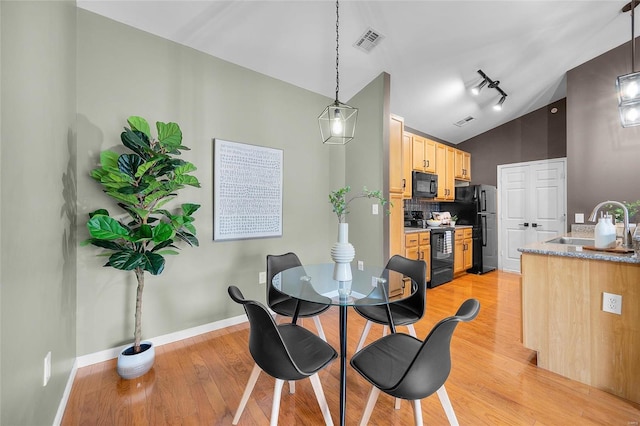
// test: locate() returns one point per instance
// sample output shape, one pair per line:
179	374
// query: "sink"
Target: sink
573	241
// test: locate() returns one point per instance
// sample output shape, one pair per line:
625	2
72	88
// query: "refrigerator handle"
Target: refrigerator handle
483	200
484	231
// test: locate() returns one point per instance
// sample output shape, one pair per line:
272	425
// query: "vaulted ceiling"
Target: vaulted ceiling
431	49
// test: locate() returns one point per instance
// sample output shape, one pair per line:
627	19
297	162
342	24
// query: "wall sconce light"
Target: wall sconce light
338	120
493	84
628	85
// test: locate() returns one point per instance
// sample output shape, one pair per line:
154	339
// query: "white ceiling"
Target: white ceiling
431	49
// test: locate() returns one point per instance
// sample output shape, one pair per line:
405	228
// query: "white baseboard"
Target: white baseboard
65	396
108	354
112	353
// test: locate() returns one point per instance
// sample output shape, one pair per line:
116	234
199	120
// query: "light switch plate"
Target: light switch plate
374	209
579	218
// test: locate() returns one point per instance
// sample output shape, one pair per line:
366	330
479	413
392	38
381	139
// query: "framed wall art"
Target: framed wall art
247	191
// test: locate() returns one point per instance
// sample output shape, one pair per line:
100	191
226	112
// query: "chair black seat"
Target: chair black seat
309	352
401	314
287	308
384	362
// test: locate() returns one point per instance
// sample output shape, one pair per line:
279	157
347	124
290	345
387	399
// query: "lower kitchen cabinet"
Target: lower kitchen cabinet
463	251
418	247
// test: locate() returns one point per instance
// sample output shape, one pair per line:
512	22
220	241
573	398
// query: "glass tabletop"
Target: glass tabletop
315	283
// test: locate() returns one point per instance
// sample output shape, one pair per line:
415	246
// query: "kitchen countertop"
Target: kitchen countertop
569	250
409	230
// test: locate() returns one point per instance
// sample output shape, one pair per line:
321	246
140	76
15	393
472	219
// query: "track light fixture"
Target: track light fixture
476	90
628	85
493	84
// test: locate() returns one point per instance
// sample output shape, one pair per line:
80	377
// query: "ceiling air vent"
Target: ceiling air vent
464	121
369	39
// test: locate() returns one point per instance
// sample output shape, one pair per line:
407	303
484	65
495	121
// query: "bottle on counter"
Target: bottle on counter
605	233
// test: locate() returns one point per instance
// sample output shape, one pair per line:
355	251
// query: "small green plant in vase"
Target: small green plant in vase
142	182
340	201
343	252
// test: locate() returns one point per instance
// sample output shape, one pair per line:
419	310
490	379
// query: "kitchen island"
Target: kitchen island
563	320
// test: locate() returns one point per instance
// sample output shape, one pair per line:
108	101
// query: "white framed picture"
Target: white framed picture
247	191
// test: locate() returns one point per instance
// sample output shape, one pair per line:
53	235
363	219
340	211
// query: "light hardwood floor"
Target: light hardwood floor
494	379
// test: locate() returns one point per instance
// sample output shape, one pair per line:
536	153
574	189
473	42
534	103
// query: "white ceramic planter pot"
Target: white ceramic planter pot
132	365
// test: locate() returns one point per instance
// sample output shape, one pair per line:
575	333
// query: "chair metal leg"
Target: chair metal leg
322	402
364	335
446	404
417	412
371	402
292	386
385	330
275	405
318	324
247	392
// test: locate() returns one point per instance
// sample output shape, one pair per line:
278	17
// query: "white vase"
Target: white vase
342	254
130	365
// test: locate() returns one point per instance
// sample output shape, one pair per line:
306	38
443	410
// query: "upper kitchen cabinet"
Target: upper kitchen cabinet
396	177
462	166
445	161
407	150
424	154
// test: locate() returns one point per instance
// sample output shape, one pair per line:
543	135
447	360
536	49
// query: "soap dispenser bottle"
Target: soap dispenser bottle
605	233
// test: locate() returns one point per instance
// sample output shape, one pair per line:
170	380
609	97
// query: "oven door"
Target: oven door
441	257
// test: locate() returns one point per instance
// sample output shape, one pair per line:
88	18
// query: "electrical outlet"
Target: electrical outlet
612	303
374	209
47	369
262	277
360	265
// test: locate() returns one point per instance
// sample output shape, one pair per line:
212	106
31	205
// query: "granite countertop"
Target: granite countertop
427	229
569	250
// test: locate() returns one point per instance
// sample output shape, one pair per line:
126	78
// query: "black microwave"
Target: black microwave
425	185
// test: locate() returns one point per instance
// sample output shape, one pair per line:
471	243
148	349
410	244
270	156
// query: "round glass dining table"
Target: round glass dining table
369	286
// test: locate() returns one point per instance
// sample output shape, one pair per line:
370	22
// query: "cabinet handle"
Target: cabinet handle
404	183
424	163
427	165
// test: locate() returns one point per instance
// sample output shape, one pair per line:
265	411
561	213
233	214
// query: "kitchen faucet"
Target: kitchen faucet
626	237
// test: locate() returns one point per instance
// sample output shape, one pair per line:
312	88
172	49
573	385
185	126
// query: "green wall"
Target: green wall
37	214
123	71
69	79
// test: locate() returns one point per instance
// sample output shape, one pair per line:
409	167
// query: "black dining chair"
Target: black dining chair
408	368
404	312
284	305
286	352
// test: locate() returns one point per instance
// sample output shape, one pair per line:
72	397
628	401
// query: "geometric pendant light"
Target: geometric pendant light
338	120
628	85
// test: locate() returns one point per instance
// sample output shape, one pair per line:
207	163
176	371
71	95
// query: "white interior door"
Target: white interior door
532	206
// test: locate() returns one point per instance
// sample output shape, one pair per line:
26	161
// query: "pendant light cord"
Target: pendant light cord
337	50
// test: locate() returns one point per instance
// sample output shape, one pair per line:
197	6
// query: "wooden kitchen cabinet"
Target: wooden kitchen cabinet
423	155
445	160
462	166
396	237
418	247
396	132
407	149
463	251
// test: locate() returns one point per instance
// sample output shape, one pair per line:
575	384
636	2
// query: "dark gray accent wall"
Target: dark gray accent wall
538	135
603	158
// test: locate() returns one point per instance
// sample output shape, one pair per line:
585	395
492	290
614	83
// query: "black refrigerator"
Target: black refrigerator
476	205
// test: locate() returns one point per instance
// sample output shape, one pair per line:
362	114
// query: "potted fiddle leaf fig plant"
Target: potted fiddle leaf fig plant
142	182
